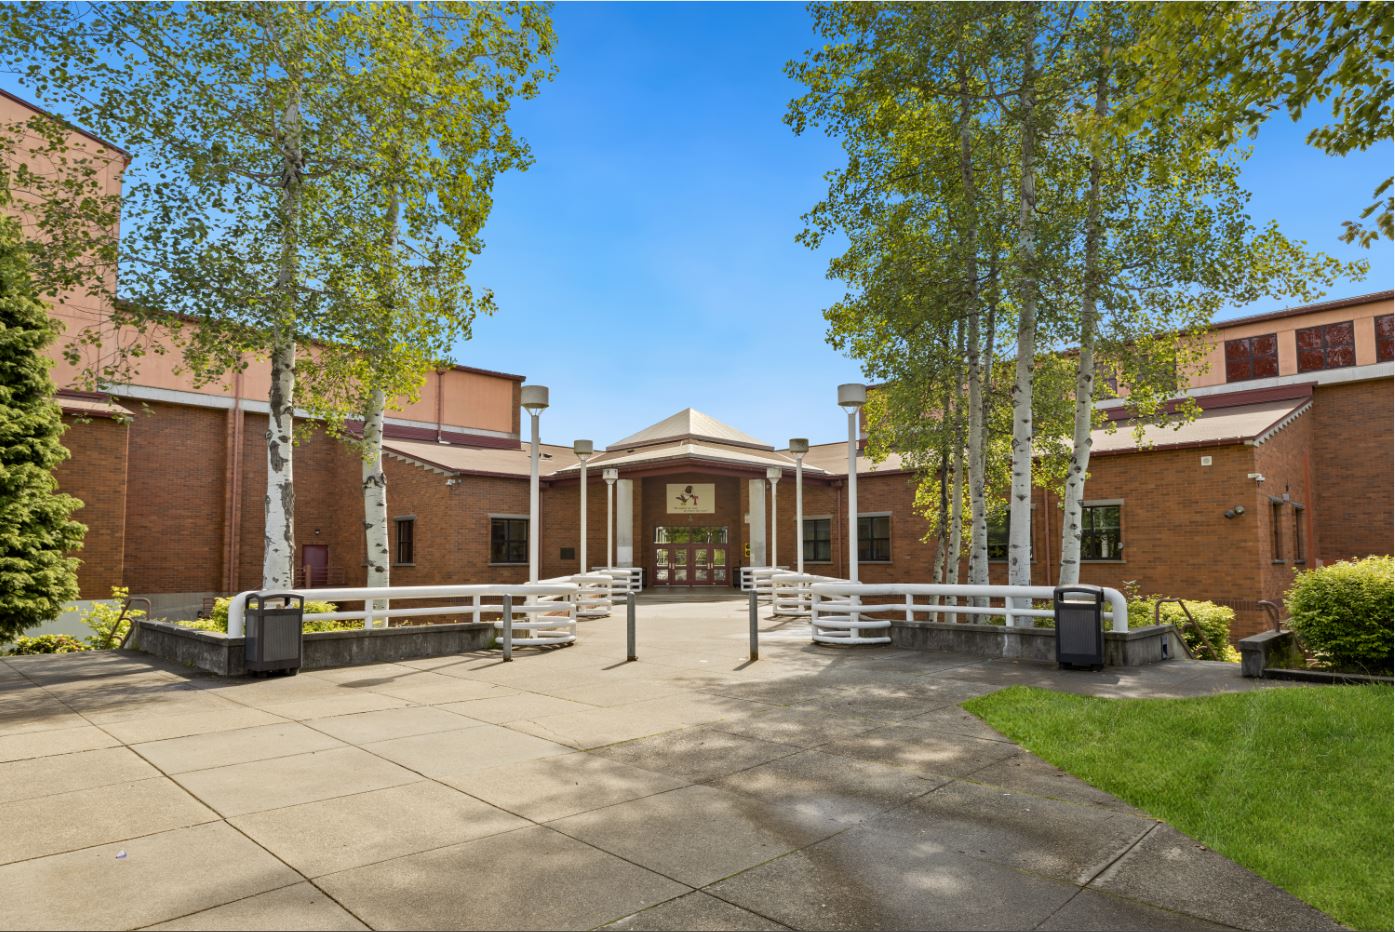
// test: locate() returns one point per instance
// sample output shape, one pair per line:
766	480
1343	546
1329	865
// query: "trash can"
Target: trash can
274	632
1079	612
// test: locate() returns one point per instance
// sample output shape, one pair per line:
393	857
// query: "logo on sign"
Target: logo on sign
692	499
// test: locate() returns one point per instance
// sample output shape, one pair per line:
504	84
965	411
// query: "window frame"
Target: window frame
1103	503
1322	331
410	521
829	541
869	538
1276	531
1248	342
522	520
1300	542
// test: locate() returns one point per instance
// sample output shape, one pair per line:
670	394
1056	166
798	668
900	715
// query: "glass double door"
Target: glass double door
685	556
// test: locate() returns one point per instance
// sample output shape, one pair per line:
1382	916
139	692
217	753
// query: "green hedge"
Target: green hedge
219	619
1214	621
46	644
1342	613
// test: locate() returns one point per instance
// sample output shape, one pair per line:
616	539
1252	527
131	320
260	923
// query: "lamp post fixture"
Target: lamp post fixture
851	398
534	399
773	473
610	475
583	449
799	446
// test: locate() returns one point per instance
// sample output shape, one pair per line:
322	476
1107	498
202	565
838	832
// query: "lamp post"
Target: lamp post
610	475
773	473
851	398
799	446
534	399
583	450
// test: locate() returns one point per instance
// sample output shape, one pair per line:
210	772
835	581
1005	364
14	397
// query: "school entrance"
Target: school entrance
690	556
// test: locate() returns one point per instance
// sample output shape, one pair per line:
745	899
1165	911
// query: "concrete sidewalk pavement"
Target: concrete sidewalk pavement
816	788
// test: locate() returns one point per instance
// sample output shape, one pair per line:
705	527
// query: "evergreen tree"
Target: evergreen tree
37	532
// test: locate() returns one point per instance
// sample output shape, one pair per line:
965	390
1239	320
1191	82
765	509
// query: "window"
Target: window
998	537
1276	528
1299	553
406	527
1100	537
874	538
1252	358
1330	346
690	535
1385	338
818	540
508	540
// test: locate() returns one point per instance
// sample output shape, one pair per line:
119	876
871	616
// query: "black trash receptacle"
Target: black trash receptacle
274	623
1079	612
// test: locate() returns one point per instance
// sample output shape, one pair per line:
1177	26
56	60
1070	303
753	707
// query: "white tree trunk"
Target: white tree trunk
977	456
1072	520
375	510
1020	501
278	552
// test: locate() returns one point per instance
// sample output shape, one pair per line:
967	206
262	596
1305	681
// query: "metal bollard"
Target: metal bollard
630	627
755	626
508	628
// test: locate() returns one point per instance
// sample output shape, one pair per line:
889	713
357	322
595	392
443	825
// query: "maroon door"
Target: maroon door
314	564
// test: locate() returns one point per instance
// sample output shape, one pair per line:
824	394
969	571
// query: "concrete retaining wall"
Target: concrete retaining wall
1134	648
217	653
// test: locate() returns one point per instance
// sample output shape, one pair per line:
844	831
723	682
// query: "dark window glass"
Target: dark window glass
874	538
1252	358
998	537
675	534
1100	537
1385	338
406	527
818	540
508	540
1276	528
1299	551
1330	346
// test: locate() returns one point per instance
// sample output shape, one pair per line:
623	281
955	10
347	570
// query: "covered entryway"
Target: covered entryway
691	556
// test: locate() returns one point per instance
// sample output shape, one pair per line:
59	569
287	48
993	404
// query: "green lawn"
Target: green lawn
1294	784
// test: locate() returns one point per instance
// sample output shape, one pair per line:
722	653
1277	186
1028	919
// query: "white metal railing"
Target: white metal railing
758	578
860	613
595	596
625	579
792	593
477	601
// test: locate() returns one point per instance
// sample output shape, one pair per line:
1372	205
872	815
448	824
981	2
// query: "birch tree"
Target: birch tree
430	101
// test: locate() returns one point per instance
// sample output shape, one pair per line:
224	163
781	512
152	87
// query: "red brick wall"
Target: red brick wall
174	504
96	475
1352	442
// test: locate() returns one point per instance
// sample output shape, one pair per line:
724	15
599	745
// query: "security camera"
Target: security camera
1256	476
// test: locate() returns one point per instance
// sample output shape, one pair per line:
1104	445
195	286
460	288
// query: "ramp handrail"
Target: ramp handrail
526	596
792	593
758	578
856	613
625	579
595	596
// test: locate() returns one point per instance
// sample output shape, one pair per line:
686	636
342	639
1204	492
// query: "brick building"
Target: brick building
1288	466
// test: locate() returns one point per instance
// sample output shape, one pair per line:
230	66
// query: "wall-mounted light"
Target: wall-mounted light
1235	512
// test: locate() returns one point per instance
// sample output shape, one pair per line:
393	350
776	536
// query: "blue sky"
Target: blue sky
647	261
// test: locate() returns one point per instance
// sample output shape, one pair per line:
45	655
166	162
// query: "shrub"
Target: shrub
1213	643
218	621
104	618
46	644
1342	613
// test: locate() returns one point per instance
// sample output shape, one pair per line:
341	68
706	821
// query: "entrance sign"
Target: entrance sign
697	498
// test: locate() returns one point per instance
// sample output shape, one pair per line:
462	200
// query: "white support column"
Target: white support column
799	446
534	398
625	523
773	473
851	398
756	517
583	450
610	476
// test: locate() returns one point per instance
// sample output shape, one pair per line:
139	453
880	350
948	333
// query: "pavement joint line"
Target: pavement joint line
221	905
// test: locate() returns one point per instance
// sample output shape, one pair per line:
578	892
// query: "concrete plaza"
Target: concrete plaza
815	788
